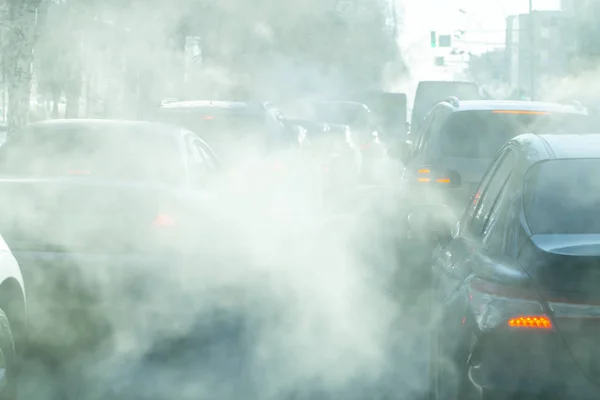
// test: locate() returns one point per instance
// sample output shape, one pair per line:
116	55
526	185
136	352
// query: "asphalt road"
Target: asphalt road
244	354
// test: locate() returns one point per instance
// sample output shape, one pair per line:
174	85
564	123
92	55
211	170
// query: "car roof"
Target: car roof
154	127
233	105
518	105
574	145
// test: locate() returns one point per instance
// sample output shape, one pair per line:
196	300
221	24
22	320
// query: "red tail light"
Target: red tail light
497	306
209	117
163	220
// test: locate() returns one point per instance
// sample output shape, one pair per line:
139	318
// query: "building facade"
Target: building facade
535	48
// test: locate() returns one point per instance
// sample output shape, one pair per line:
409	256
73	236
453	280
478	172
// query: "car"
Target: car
458	140
391	111
363	126
515	283
229	126
13	321
94	205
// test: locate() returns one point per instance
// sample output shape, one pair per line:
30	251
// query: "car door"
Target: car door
452	263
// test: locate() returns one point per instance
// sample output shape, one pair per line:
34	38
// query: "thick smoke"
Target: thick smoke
281	299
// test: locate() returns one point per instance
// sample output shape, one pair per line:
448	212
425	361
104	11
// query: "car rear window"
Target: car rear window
480	134
563	197
116	153
218	125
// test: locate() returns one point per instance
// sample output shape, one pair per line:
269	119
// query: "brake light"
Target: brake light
477	197
209	117
531	322
164	220
496	306
425	175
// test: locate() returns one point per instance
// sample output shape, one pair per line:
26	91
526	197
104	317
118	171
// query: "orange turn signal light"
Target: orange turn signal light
531	322
423	171
443	180
423	179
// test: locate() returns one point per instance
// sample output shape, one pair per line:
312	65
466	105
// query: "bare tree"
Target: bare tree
19	35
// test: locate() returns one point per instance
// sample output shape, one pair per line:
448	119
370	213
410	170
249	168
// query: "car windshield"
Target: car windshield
116	153
218	125
480	134
563	197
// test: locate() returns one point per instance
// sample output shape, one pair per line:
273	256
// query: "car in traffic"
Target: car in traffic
515	283
94	206
233	129
458	140
390	109
331	154
13	321
363	125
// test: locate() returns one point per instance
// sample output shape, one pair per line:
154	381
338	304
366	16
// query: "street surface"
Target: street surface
245	353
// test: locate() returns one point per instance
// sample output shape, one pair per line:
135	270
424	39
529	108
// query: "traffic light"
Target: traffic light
433	39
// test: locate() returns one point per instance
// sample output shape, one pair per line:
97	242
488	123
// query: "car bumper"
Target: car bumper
531	363
80	299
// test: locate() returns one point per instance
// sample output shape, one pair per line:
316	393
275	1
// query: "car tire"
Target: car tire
8	384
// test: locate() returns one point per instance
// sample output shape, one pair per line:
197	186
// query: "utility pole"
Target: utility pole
532	53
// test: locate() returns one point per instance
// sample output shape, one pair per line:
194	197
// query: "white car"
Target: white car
12	319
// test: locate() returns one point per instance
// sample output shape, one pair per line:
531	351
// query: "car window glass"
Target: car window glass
494	222
435	127
490	193
473	205
207	155
198	166
424	134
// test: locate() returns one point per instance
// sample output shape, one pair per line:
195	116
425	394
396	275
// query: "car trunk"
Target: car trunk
568	274
85	216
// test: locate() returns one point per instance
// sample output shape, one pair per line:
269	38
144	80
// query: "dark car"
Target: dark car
363	125
98	209
229	127
391	112
516	284
458	140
